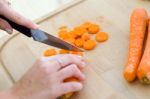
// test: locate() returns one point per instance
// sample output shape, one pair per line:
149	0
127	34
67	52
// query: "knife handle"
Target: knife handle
26	31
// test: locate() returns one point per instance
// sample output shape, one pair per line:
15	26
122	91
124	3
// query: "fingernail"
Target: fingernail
9	31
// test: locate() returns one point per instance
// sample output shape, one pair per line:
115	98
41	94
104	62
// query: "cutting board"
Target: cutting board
104	71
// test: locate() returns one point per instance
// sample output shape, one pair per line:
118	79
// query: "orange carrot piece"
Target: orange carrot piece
143	71
138	22
89	44
68	95
80	30
63	34
50	52
86	25
72	34
86	36
62	51
70	40
79	42
94	28
101	36
63	28
77	53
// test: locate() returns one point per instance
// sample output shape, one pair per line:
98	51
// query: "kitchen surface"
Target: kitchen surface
104	70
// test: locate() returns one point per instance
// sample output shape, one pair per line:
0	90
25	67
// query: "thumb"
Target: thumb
4	25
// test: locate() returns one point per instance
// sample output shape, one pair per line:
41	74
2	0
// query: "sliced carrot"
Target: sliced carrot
72	34
70	40
79	42
77	53
62	51
138	21
50	52
63	34
63	28
86	25
68	95
143	72
101	36
94	28
80	30
89	44
86	36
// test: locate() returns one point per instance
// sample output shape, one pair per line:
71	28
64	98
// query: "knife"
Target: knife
41	36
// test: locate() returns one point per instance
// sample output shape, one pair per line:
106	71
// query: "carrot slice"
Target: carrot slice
63	28
86	36
138	22
62	51
94	28
68	95
86	25
77	53
70	40
79	42
72	34
89	44
80	30
143	72
63	34
50	52
101	36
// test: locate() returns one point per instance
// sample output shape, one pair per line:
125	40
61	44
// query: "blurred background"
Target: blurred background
34	9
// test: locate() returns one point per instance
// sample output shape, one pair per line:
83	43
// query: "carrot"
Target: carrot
63	34
138	22
93	29
62	51
85	36
68	95
89	44
70	40
72	34
80	30
101	36
63	27
50	52
77	53
143	71
86	25
79	42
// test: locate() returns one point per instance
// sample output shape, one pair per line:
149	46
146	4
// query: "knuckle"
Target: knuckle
74	68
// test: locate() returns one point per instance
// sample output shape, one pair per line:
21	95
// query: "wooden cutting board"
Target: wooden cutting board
104	72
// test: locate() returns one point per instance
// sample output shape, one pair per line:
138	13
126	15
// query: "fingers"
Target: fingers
4	25
17	18
71	71
65	60
62	61
71	87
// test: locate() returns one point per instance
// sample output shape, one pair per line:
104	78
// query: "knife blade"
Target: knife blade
41	36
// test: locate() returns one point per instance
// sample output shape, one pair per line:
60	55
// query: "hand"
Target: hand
45	80
8	12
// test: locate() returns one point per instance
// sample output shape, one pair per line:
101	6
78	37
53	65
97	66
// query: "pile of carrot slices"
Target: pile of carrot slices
84	36
138	63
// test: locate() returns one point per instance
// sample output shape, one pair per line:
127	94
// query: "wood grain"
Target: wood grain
104	73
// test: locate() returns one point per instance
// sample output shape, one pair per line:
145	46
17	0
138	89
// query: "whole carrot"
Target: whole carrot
138	22
143	72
